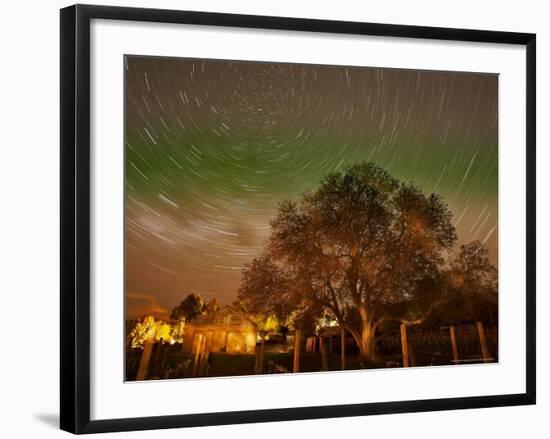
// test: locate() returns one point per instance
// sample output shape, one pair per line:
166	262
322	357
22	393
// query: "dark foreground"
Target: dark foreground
426	349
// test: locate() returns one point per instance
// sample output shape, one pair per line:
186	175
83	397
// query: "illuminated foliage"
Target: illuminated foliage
157	331
143	331
266	325
163	331
178	331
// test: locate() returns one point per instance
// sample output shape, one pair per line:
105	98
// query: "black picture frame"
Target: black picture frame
75	217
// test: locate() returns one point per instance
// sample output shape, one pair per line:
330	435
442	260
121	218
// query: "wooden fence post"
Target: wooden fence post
200	338
145	359
156	366
454	346
485	353
165	349
404	347
323	350
204	355
257	362
343	348
261	362
412	356
296	362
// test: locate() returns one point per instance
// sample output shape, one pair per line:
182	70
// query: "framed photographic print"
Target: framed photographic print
267	218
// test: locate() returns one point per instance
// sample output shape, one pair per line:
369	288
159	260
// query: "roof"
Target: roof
225	316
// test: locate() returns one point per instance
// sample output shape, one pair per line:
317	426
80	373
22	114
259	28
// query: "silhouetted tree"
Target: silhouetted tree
473	286
192	306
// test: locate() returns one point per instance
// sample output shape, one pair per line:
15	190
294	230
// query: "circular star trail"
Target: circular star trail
212	146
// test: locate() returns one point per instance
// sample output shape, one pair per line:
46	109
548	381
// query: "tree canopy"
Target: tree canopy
192	306
363	247
473	286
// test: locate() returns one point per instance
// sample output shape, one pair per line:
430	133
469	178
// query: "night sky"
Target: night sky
212	147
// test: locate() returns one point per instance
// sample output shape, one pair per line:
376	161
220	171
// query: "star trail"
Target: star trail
212	146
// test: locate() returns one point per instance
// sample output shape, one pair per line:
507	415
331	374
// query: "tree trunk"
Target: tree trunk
367	347
365	339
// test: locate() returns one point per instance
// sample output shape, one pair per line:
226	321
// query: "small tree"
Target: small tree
473	286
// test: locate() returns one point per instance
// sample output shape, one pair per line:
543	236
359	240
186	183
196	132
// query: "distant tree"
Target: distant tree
269	289
473	286
212	306
190	307
363	247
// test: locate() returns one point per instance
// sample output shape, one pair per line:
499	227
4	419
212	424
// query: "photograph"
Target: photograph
287	218
271	220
